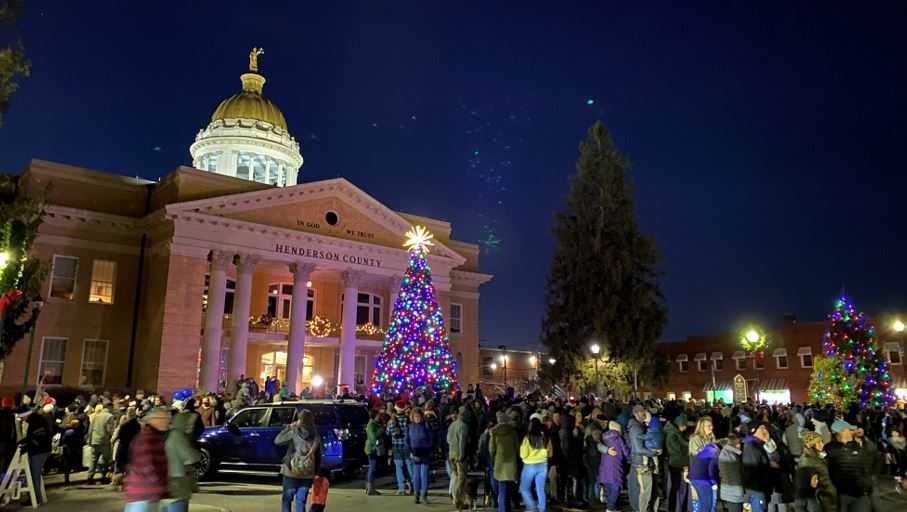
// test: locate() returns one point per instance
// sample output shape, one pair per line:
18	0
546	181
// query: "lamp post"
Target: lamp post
753	341
595	349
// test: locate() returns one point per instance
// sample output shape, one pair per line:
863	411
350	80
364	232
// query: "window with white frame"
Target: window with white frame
739	360
806	357
368	309
717	361
456	318
103	281
683	363
63	275
53	356
758	362
701	361
780	355
94	363
893	351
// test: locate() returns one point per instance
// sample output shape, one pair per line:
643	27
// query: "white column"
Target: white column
242	300
347	371
296	343
214	320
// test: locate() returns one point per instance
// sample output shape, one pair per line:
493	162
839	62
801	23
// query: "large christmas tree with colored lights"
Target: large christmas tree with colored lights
851	367
416	350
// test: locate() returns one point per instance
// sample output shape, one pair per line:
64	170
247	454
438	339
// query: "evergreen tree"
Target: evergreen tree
21	276
13	62
603	281
853	367
416	349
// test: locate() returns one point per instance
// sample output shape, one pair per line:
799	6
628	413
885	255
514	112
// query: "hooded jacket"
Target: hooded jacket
677	443
846	464
730	471
504	449
611	468
757	473
303	440
812	463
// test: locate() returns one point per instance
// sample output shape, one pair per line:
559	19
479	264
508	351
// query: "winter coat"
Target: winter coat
730	472
301	440
419	441
146	476
101	429
457	437
611	468
373	437
638	450
847	466
704	465
180	454
792	437
677	445
757	473
504	448
811	463
127	432
39	433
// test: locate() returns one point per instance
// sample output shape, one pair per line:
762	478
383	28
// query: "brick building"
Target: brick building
781	375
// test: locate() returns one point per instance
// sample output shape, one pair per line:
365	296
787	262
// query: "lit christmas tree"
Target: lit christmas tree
416	351
859	370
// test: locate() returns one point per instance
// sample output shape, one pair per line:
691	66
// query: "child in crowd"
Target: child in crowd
320	491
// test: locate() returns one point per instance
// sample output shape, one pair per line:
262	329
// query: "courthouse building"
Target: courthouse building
234	266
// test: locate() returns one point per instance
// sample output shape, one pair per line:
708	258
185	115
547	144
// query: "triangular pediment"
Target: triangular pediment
335	208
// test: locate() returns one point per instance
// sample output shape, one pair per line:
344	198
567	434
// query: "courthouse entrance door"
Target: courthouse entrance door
273	364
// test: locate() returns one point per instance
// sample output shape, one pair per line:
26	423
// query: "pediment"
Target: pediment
335	208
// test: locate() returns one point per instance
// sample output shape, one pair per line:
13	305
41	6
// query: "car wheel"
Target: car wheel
207	466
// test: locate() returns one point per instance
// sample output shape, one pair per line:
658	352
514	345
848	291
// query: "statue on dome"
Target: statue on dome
253	58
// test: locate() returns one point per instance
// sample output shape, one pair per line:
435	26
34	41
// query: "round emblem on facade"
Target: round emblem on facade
331	218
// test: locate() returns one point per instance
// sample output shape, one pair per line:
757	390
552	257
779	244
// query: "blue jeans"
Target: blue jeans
534	474
175	506
372	468
706	496
503	490
403	476
297	488
142	506
756	500
613	491
449	469
420	478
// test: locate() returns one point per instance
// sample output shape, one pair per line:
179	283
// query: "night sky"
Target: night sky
768	142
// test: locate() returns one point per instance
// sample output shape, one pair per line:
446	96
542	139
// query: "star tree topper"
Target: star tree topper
419	239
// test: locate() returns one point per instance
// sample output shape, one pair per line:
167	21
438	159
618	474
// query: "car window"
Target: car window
324	414
353	415
249	418
281	416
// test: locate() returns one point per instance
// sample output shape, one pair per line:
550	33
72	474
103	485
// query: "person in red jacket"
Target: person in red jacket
146	475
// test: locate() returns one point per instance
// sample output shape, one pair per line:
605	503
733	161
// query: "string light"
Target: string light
416	350
859	370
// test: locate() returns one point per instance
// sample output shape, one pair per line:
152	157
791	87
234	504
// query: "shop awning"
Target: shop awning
682	357
780	352
775	384
739	355
719	386
701	356
716	356
892	346
805	351
899	383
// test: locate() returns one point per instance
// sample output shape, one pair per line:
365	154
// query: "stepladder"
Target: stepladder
18	480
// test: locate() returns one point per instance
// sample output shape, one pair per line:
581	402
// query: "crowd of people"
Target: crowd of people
535	450
505	451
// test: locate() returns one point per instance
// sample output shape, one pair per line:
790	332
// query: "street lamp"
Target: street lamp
595	349
504	360
533	360
551	360
753	341
494	366
898	326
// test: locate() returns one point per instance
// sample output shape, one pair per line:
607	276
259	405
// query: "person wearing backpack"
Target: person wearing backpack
302	460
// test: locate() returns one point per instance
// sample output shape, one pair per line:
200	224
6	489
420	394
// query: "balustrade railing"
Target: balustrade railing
318	327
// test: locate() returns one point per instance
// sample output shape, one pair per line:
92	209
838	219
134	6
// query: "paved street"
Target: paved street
247	493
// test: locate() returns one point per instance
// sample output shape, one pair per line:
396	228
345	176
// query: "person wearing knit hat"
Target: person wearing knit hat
615	426
815	488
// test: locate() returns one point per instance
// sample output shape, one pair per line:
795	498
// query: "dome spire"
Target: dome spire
252	81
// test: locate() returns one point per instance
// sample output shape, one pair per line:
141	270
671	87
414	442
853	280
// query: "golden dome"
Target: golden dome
250	104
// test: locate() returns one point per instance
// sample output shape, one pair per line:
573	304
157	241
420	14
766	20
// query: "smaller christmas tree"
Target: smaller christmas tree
859	370
416	350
